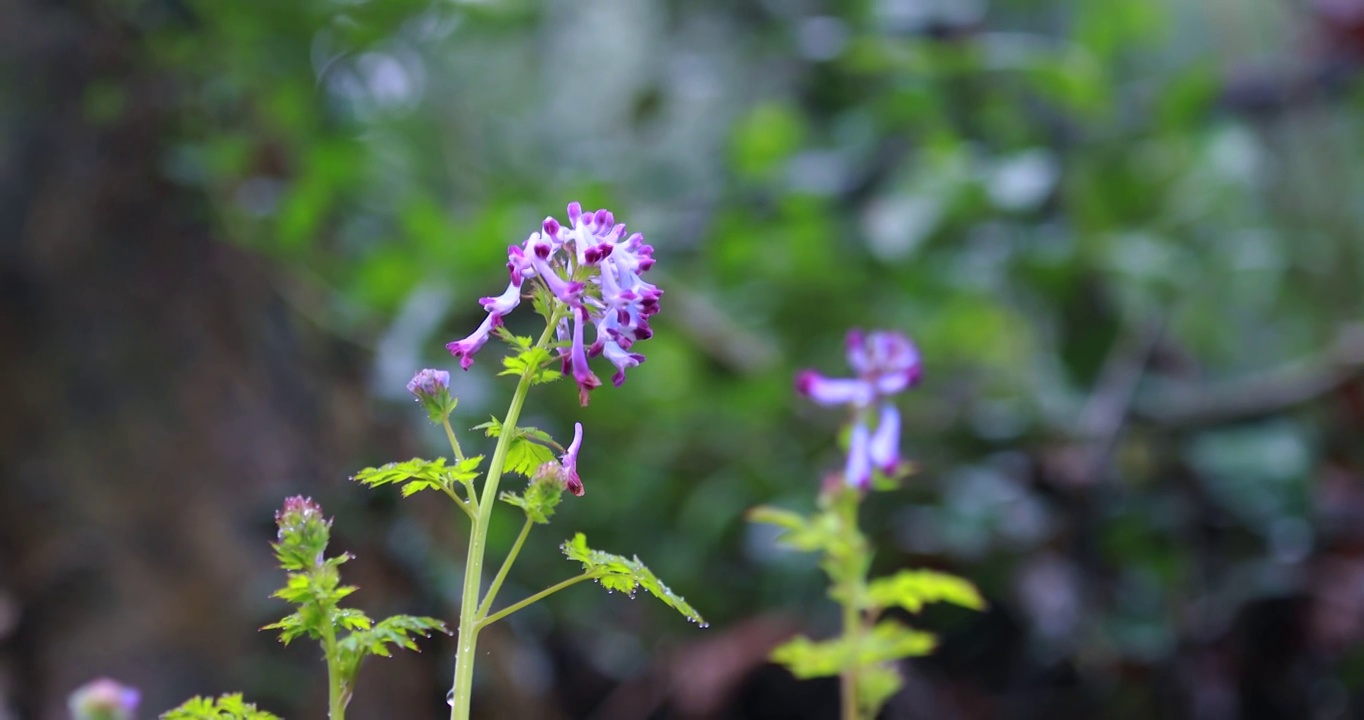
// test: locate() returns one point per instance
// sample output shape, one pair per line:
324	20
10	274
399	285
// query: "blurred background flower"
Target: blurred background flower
1125	236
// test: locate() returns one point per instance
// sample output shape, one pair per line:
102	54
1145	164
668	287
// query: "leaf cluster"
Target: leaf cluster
538	501
528	449
227	707
626	575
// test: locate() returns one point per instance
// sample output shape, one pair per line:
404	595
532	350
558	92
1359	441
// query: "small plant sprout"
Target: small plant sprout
586	273
864	655
347	635
103	699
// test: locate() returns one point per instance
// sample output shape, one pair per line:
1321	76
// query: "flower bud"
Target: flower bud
303	533
431	388
103	699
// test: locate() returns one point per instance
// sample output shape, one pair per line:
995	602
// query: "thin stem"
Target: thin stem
472	503
504	612
506	566
478	539
460	502
454	442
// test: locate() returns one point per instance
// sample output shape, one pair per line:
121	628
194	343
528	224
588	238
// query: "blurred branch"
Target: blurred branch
1191	406
1110	405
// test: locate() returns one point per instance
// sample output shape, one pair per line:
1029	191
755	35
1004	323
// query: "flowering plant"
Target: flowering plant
585	273
885	363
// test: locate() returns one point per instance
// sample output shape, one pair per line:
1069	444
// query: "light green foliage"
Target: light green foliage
615	572
527	451
527	356
887	641
864	652
227	707
417	474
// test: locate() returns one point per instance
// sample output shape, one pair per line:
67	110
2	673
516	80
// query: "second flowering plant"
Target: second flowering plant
587	272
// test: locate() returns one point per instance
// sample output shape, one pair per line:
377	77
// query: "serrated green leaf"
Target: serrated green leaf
430	471
615	572
912	589
525	456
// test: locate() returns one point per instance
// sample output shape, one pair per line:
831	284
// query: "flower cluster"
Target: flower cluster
886	363
593	270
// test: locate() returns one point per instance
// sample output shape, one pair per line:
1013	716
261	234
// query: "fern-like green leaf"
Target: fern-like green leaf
888	641
615	572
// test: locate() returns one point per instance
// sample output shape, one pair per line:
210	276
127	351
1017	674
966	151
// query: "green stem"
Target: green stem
336	704
478	539
852	617
504	612
848	678
506	566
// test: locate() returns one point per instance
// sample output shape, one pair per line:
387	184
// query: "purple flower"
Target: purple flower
104	699
886	363
593	268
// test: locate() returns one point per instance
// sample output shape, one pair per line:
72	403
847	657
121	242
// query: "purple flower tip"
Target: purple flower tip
428	382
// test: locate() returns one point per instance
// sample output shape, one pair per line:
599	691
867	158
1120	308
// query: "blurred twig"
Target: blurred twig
1189	406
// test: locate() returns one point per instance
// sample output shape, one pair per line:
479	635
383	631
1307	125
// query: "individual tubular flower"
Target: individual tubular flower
104	699
591	268
565	472
886	363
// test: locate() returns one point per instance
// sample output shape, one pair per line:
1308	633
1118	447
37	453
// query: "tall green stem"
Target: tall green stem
478	539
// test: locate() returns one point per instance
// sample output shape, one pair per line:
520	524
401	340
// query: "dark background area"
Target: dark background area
1126	236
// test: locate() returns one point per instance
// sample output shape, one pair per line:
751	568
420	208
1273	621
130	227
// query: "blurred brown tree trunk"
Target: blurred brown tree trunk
158	398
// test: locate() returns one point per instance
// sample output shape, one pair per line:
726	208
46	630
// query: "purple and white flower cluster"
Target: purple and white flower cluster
594	269
886	363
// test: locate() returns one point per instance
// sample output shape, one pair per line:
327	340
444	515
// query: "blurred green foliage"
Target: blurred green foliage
1036	190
